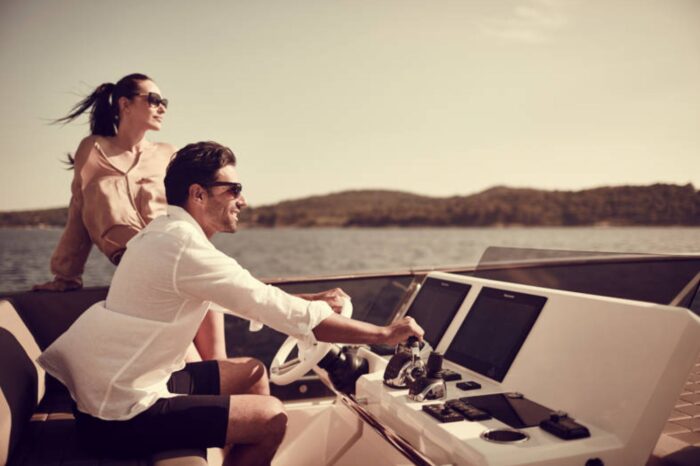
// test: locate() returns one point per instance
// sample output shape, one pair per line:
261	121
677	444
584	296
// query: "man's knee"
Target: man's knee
276	416
256	370
244	376
255	419
261	384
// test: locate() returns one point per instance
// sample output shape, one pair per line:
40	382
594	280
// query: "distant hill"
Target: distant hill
658	204
34	218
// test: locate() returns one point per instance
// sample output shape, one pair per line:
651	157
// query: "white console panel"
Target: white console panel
615	366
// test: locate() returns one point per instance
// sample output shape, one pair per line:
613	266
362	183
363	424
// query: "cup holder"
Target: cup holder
505	436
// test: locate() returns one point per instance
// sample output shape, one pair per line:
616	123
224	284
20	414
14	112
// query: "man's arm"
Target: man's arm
205	273
335	328
335	297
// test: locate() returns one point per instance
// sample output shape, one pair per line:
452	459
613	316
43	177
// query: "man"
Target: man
122	360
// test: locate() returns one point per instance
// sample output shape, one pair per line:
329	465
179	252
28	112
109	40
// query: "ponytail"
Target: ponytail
102	115
104	104
105	112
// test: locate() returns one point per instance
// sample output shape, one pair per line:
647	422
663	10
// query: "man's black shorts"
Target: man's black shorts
197	420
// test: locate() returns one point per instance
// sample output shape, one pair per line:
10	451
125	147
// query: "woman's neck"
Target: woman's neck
130	139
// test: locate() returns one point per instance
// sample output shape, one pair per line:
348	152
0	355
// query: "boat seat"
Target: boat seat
37	426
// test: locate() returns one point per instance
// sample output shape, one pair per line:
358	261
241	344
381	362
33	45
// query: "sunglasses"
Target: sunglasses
233	188
154	99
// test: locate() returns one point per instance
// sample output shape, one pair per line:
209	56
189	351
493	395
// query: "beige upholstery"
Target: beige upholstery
215	456
5	428
179	461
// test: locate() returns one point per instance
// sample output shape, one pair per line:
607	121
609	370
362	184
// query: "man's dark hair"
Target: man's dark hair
195	164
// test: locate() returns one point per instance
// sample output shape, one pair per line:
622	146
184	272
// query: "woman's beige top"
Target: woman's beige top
108	205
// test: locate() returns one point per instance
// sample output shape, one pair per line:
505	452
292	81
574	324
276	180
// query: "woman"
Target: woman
118	188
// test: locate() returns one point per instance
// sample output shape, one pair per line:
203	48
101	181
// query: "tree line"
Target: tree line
658	204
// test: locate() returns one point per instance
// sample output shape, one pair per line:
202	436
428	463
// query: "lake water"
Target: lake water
25	253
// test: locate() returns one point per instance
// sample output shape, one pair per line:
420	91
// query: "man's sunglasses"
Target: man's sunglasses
154	99
233	188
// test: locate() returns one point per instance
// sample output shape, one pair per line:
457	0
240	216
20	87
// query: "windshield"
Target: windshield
656	278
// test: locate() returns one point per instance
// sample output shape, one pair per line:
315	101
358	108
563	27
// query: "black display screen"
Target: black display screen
435	306
516	411
494	330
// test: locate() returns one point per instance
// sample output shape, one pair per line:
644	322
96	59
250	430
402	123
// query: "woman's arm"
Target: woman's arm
71	253
210	340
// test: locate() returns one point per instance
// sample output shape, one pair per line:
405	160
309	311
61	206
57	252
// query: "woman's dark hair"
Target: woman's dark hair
104	104
195	163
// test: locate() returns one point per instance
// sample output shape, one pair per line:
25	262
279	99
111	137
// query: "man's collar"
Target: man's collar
178	213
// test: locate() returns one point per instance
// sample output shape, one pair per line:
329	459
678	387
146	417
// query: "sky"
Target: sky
433	97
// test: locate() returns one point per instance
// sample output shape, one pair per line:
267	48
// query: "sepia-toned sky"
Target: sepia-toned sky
434	97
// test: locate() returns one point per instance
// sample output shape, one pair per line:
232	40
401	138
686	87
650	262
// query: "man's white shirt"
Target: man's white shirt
117	357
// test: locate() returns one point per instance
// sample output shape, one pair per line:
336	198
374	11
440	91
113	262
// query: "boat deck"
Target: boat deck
679	444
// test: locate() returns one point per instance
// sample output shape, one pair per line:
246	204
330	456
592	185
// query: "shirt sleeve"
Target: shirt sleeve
253	325
207	274
71	253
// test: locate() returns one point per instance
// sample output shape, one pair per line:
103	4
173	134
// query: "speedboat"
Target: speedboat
531	357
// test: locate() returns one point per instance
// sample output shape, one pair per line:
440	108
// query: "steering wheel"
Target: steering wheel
283	373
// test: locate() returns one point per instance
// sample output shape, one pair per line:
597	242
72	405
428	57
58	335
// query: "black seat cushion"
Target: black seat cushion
54	442
49	314
19	384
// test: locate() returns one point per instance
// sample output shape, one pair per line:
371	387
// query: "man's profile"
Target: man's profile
122	360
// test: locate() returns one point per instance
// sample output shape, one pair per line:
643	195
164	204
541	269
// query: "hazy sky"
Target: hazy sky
433	97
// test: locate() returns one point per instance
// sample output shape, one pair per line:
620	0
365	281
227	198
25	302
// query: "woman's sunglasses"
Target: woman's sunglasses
154	99
233	188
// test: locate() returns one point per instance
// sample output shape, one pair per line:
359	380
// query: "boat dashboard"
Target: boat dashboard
514	374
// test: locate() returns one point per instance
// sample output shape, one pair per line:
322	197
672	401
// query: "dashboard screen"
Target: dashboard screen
435	306
494	330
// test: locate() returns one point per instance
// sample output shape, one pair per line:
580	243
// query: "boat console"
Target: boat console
522	375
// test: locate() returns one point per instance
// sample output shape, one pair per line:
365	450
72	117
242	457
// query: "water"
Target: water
25	253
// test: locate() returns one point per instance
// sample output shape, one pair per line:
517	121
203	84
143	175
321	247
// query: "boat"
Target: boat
531	357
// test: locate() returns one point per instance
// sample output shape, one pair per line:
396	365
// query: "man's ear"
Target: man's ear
197	193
